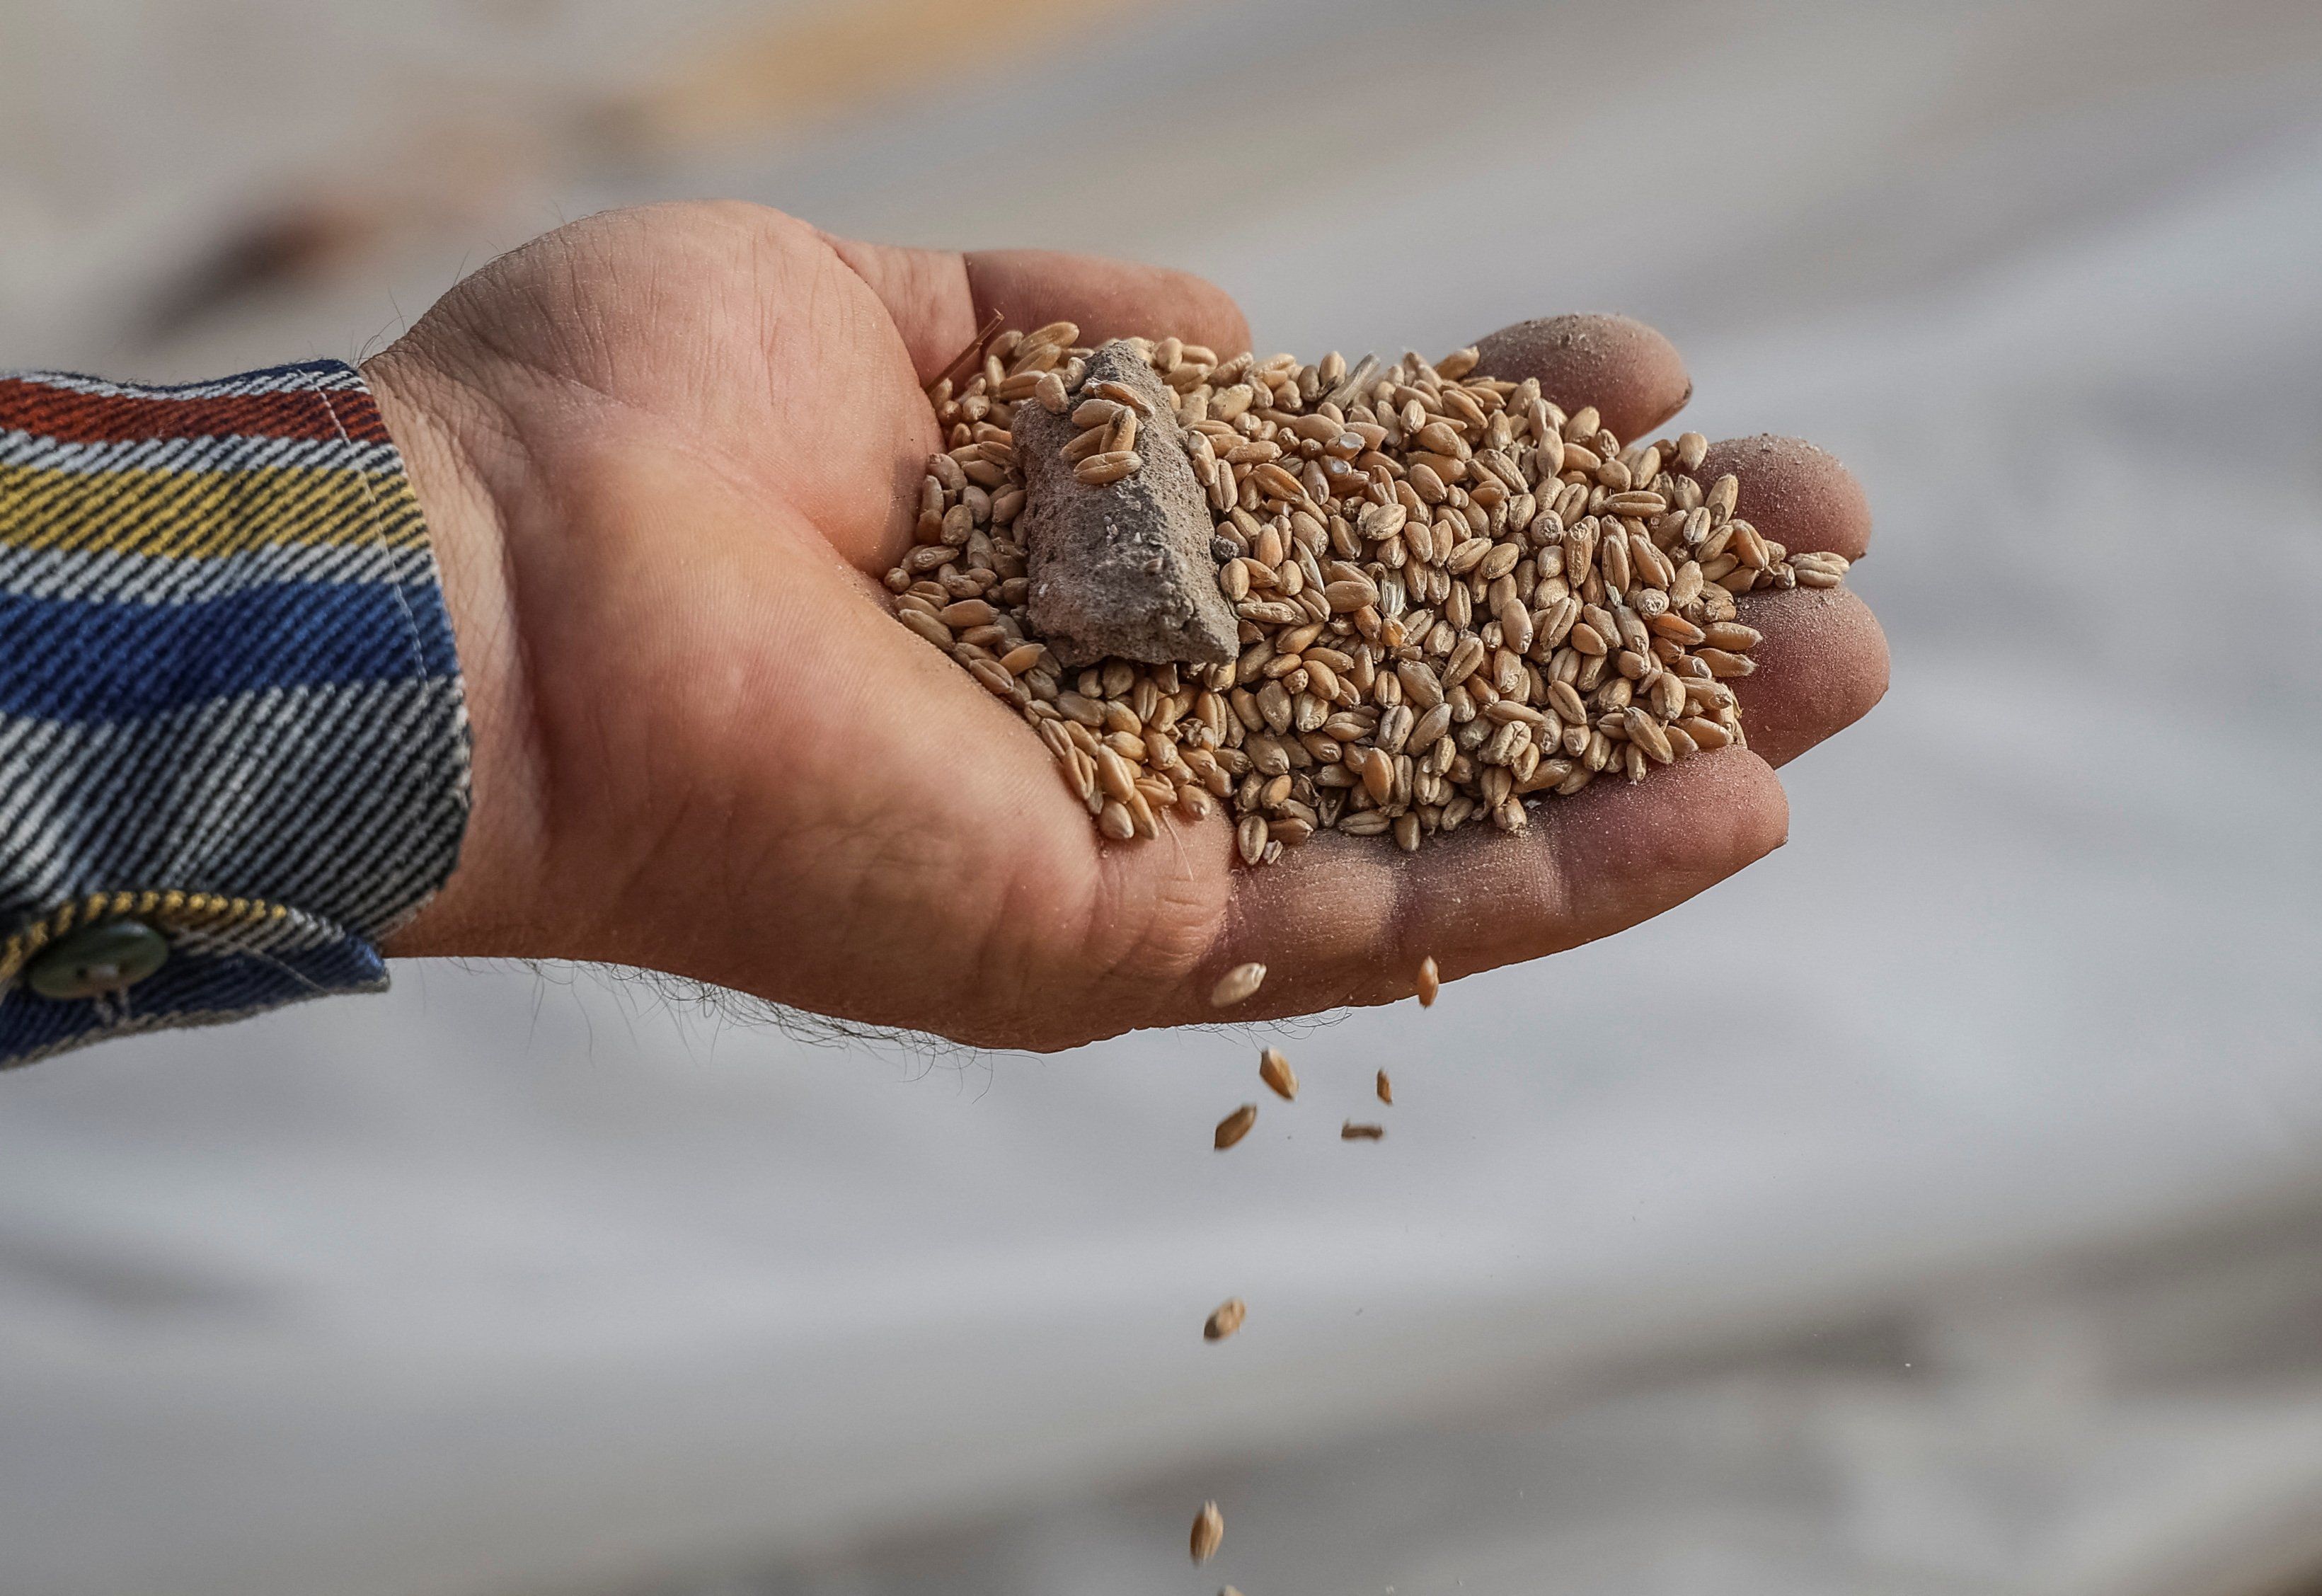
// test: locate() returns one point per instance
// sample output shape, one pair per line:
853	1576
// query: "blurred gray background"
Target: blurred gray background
1956	1228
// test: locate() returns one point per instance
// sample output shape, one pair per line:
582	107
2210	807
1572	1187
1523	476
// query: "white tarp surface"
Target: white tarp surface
1931	1210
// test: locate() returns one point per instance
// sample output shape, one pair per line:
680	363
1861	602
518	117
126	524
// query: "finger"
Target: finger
939	299
1824	662
1630	372
1795	494
1346	919
1821	667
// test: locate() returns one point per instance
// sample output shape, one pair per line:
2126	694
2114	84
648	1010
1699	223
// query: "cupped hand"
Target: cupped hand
665	455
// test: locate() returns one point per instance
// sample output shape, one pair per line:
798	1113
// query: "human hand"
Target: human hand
665	455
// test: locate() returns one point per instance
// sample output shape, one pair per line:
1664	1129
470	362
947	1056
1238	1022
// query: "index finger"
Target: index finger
1627	370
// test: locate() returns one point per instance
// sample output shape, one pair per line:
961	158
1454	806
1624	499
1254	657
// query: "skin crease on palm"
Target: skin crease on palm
664	456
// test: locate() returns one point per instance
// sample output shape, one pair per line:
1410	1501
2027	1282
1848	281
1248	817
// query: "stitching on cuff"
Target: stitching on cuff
378	517
180	912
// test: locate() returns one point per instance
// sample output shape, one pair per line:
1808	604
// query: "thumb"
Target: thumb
938	298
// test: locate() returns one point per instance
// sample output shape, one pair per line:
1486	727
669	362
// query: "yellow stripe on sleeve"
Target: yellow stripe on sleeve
204	514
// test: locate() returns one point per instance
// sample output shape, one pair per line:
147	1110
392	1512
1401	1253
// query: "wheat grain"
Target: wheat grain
1226	1320
1237	985
1455	598
1236	1125
1274	1070
1208	1532
1106	466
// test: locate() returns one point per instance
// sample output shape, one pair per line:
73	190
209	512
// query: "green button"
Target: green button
98	959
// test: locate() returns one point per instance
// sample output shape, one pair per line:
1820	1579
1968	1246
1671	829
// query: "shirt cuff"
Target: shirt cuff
229	705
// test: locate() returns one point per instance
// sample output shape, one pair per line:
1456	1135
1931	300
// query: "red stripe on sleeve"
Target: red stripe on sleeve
300	415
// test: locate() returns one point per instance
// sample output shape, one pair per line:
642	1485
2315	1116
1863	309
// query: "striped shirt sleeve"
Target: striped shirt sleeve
230	708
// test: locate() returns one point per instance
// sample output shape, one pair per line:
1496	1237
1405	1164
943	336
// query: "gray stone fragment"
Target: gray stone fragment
1125	569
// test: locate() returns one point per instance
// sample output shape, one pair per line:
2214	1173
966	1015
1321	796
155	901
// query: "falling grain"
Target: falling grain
1226	1320
1429	983
1353	1131
1236	1125
1208	1532
1385	1090
1274	1070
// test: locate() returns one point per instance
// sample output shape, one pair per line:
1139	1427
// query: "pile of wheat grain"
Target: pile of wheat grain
1453	597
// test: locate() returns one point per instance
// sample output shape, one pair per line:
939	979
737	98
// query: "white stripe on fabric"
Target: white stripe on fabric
314	797
224	452
330	376
121	576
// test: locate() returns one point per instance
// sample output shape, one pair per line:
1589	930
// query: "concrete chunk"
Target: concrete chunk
1124	569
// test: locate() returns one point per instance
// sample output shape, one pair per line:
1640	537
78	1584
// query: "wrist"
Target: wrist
435	422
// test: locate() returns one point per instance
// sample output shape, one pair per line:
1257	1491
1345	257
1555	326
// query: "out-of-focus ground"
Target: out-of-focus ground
1934	1210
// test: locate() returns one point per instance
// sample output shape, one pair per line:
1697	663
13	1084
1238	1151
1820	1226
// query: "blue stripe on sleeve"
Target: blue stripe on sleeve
93	661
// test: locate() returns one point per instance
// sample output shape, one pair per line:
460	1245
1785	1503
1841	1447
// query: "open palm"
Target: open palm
665	455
